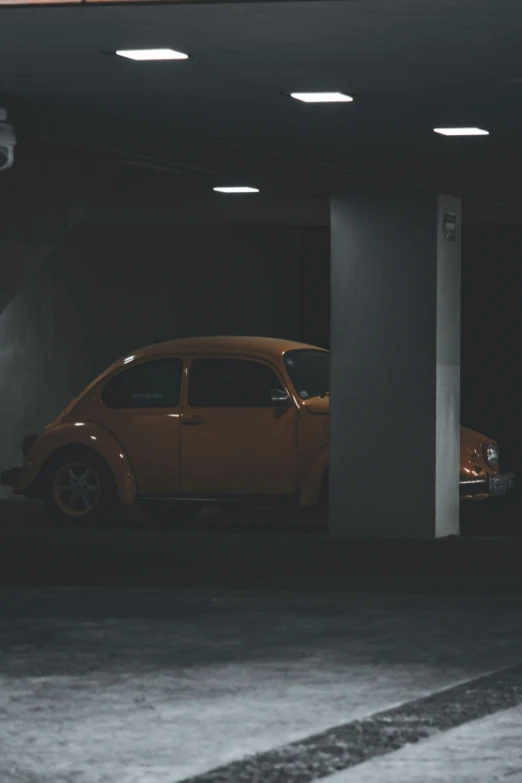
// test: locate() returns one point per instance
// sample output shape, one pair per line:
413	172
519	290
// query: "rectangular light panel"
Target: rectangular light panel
321	97
461	131
151	54
236	189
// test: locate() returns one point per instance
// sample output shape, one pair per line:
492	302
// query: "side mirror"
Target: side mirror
280	398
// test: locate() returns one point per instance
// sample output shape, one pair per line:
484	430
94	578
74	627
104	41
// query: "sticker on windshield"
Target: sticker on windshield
303	395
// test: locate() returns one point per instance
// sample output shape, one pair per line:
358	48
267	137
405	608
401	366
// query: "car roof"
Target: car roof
267	347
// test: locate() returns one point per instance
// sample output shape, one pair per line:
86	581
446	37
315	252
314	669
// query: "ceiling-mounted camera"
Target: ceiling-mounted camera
7	142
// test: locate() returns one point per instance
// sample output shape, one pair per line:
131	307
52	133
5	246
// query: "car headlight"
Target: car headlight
491	454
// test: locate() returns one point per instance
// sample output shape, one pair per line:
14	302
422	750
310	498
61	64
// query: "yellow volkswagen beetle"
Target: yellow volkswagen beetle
202	421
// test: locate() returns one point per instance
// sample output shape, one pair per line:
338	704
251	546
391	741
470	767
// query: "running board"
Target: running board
265	500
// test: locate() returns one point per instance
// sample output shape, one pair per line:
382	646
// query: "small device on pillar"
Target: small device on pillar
7	142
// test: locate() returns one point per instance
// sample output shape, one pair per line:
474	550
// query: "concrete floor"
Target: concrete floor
156	685
482	751
134	656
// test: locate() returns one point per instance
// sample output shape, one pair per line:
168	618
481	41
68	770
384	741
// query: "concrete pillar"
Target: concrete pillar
395	341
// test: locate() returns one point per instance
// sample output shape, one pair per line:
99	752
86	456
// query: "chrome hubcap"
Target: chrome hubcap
79	488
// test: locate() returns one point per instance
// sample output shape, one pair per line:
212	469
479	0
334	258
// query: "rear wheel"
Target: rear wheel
78	487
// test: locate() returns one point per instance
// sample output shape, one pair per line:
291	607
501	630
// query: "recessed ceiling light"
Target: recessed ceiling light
321	97
151	54
237	189
461	131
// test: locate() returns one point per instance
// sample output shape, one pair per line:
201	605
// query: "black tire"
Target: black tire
168	515
90	500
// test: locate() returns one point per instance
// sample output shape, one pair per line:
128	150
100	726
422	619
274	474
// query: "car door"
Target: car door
234	439
141	405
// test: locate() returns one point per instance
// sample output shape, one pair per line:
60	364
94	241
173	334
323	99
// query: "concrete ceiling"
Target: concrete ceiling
224	115
411	66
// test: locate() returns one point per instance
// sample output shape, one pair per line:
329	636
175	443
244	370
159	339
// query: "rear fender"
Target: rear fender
76	434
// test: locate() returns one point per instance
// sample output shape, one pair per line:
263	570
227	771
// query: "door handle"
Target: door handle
193	421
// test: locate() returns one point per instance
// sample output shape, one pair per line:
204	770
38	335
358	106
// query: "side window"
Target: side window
155	384
231	383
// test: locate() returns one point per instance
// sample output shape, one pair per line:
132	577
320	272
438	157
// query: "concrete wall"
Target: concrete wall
107	291
314	286
42	197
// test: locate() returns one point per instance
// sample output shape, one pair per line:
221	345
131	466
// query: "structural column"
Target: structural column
395	341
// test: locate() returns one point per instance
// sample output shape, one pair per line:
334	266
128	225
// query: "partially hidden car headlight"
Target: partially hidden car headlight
491	454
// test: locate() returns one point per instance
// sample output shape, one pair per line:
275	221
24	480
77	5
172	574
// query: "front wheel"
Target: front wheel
78	487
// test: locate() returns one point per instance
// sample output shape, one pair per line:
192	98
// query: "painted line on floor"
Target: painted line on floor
349	744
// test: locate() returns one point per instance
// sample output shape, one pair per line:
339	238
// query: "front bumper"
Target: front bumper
9	478
494	485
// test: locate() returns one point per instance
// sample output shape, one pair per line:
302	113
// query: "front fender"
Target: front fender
472	461
313	480
87	435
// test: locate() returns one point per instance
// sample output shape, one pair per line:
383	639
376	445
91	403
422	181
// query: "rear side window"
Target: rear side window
155	384
231	383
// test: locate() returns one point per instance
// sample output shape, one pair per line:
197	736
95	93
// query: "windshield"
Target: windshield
309	372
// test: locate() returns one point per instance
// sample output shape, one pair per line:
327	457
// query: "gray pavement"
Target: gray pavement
147	685
136	656
482	751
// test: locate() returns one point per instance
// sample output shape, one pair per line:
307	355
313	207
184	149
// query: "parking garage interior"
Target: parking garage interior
380	642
